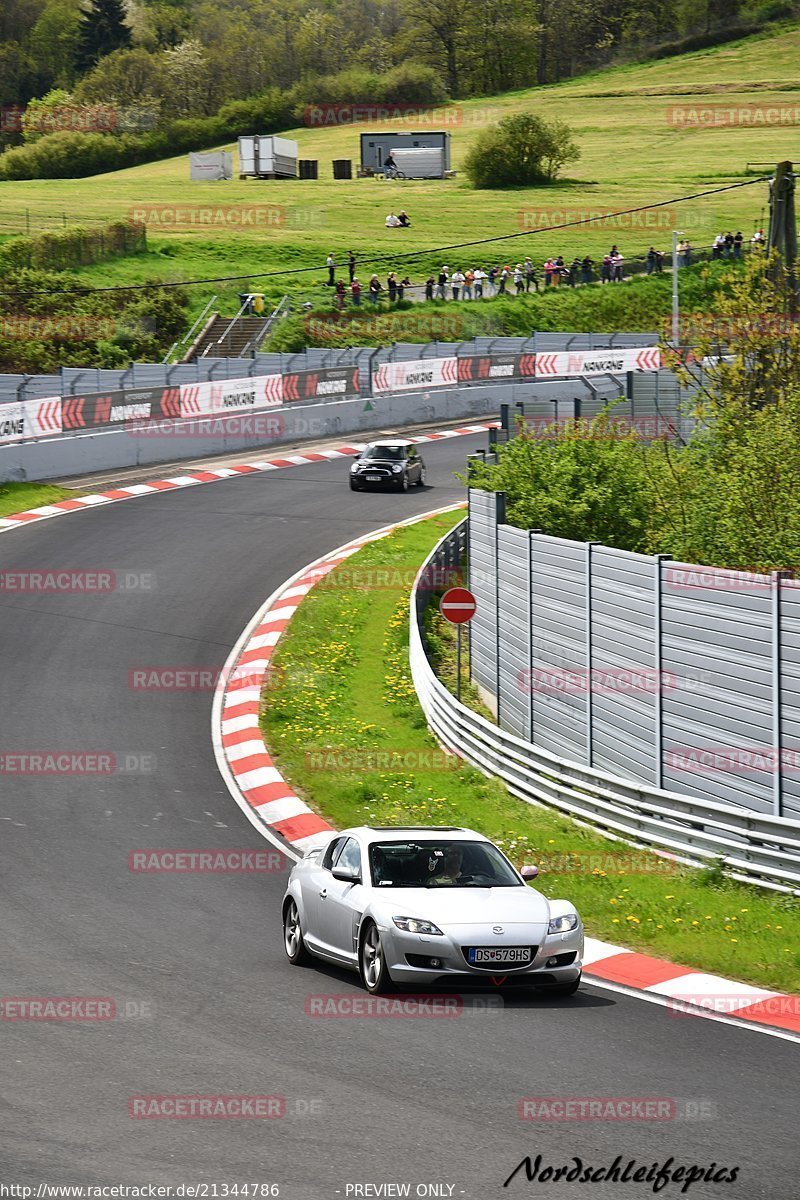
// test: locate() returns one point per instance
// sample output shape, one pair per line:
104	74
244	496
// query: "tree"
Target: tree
102	30
521	151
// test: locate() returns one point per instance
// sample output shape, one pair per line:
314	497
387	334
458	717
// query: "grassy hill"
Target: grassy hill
631	155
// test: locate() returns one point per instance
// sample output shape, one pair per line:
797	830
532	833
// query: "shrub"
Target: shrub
521	151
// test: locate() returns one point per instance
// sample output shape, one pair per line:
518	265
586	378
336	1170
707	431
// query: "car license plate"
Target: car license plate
373	479
501	955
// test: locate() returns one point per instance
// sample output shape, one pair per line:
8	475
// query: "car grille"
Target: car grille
384	472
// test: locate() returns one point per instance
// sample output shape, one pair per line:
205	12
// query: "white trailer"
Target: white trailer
263	155
425	162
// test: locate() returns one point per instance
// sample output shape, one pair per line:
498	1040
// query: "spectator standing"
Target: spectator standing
469	280
402	285
605	269
548	272
758	240
505	275
717	245
340	294
374	289
441	283
737	244
618	262
492	277
351	264
519	279
659	261
480	276
530	276
651	260
728	244
574	268
586	269
391	285
355	289
456	282
331	265
558	271
429	284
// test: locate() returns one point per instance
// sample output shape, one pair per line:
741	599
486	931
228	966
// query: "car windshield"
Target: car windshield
440	864
387	453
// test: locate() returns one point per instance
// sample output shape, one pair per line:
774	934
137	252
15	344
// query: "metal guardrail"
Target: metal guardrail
754	848
182	342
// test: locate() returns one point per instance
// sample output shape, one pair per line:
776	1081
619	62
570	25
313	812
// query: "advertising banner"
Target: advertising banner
335	383
415	374
488	368
30	419
231	395
97	410
597	362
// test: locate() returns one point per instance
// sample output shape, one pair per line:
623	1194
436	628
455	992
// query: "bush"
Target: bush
521	151
74	246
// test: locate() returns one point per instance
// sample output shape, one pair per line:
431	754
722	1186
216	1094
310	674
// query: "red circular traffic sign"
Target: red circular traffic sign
458	605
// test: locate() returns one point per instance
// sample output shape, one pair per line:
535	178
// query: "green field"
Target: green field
631	155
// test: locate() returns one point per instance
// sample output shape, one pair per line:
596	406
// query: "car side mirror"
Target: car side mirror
529	872
347	874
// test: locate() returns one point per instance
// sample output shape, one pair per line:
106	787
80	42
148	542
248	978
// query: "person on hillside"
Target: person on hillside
728	244
404	219
492	278
480	279
391	287
429	285
505	275
469	280
389	164
737	244
340	294
331	265
351	264
375	288
659	261
558	271
530	276
519	279
758	241
651	260
548	268
586	269
441	283
605	269
717	244
402	285
574	271
617	270
392	222
355	291
456	282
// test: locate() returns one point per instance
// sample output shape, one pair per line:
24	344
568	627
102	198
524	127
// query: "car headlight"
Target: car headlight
397	467
563	924
354	467
413	925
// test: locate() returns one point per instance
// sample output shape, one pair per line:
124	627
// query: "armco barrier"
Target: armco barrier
754	847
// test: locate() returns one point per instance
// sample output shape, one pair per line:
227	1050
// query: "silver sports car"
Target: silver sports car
425	907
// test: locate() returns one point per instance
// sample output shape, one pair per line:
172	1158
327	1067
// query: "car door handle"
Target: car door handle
323	893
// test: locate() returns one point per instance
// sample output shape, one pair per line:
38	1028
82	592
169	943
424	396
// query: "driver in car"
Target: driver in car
450	871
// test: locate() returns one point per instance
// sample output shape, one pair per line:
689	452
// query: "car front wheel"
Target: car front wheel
403	484
354	486
421	480
372	963
293	941
563	989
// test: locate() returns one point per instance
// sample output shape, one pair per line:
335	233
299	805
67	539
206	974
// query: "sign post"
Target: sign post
458	605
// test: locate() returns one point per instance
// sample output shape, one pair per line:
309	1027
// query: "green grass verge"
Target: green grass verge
16	497
347	703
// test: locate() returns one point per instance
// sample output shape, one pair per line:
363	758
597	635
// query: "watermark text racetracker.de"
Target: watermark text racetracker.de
257	427
233	217
615	1108
653	220
436	117
58	581
223	860
76	763
717	116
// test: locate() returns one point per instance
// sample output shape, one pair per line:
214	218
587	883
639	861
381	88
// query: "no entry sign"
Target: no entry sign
458	605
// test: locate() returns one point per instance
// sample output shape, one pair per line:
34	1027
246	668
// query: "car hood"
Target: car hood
467	906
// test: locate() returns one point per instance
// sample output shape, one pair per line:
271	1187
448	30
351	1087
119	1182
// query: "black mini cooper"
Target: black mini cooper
390	464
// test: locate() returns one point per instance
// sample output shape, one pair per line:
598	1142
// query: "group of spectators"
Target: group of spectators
477	283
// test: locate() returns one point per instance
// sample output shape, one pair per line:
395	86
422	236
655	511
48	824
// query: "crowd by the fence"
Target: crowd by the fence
505	279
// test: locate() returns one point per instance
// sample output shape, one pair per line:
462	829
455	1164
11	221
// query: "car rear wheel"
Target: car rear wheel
372	963
293	942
